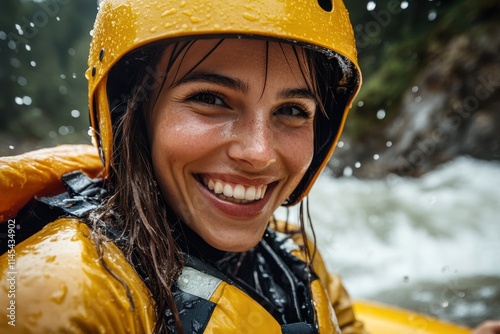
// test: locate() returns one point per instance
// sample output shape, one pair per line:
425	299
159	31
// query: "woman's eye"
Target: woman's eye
294	111
207	98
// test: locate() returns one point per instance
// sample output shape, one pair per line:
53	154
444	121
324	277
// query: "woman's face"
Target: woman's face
232	136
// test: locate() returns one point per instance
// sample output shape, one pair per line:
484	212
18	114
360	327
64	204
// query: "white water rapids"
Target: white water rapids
429	244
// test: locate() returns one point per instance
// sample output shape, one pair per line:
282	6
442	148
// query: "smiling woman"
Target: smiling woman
223	131
207	119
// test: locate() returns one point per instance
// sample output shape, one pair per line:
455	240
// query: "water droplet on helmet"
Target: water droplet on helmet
195	19
250	17
169	12
58	296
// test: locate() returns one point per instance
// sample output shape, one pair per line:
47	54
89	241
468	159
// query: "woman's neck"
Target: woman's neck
192	244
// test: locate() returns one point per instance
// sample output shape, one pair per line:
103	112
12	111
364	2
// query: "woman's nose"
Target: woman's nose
253	143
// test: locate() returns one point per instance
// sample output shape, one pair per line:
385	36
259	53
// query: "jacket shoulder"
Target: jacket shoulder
57	282
38	173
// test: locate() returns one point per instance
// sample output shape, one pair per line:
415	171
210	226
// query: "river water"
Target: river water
429	244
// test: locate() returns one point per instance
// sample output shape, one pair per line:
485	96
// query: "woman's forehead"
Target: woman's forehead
232	53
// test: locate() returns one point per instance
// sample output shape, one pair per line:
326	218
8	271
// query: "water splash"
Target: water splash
388	235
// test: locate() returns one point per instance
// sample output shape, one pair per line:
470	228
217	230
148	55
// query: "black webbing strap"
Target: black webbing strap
83	196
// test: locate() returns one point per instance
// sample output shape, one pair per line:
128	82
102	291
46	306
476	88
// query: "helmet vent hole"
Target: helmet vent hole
326	5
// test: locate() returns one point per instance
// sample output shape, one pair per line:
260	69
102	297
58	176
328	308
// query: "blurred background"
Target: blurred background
408	210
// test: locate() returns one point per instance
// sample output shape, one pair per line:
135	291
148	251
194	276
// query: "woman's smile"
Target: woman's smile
242	202
235	192
231	136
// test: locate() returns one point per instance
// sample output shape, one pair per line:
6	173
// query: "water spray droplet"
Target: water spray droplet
381	114
22	81
14	62
371	6
19	30
27	100
63	130
432	15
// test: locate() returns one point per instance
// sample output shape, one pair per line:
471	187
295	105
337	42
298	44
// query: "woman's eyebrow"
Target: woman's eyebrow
214	78
297	93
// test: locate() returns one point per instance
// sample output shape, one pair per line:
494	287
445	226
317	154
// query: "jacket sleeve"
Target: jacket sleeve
57	283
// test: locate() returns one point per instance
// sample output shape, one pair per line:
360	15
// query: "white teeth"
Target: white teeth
218	189
228	190
258	193
239	193
250	194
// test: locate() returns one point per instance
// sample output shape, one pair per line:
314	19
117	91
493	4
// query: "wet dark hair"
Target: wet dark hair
136	206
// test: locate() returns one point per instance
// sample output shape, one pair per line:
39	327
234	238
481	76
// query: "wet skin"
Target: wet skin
229	143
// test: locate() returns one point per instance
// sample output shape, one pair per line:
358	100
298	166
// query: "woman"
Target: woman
208	116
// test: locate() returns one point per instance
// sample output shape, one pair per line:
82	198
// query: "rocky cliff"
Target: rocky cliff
449	105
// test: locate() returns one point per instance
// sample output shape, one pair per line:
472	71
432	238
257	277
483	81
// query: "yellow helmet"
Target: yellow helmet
123	26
